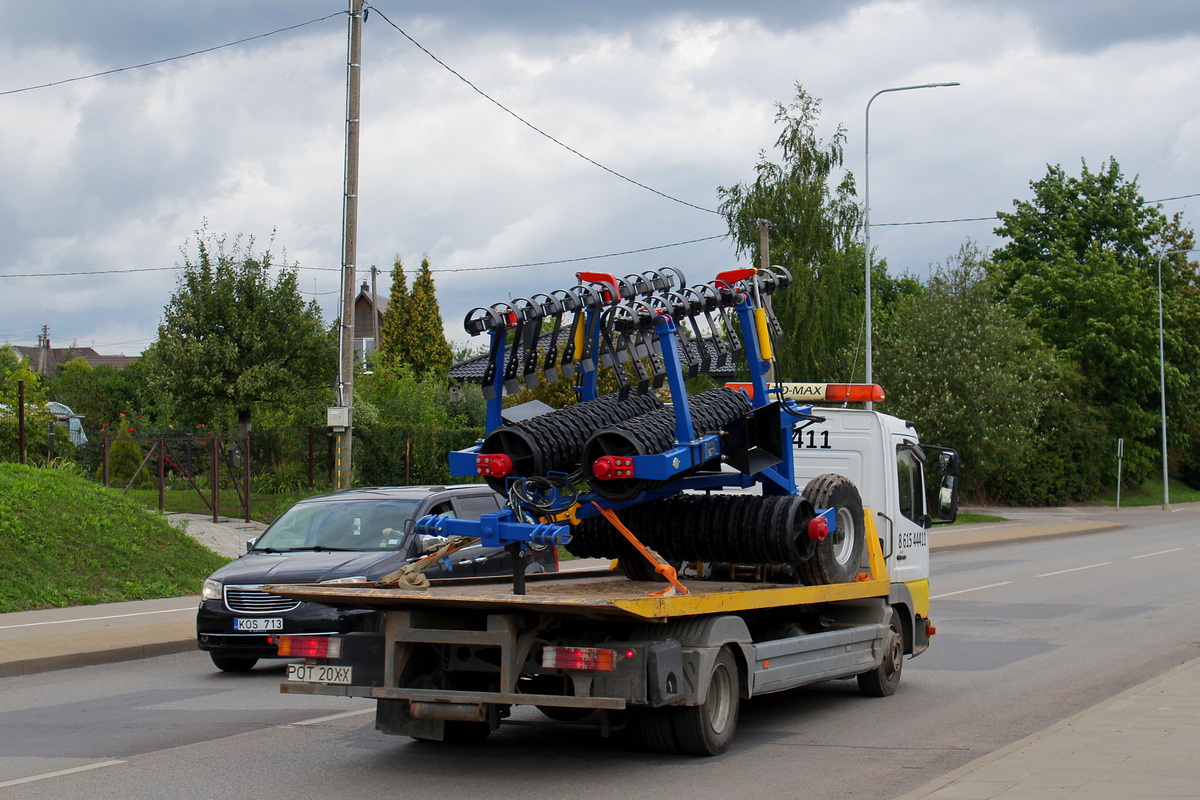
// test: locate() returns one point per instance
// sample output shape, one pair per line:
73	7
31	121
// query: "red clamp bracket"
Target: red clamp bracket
607	468
493	465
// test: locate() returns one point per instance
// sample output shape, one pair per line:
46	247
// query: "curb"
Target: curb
111	655
1023	532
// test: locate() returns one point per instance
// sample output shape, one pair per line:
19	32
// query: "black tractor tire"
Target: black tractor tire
232	663
883	680
836	560
707	729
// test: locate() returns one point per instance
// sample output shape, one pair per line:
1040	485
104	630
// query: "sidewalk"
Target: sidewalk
1144	743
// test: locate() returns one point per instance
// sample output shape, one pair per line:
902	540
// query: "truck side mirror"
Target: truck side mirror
942	472
250	544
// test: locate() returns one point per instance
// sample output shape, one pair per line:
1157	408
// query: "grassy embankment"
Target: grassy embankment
264	508
1149	493
66	541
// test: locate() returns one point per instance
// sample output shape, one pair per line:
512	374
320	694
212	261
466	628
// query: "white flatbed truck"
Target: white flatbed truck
449	662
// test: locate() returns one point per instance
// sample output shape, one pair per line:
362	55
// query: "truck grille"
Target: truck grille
253	600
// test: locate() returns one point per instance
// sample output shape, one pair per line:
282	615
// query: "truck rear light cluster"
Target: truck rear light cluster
310	646
588	658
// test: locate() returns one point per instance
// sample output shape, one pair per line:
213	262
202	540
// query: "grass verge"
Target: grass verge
1149	493
971	517
66	541
264	508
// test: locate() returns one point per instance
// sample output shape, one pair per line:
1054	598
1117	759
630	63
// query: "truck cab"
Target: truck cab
908	487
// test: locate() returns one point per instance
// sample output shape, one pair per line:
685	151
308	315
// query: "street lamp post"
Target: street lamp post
1162	375
867	205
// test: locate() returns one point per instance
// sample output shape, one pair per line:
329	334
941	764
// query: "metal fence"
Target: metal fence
268	461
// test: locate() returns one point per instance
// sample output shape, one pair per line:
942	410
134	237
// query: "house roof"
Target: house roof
472	369
60	355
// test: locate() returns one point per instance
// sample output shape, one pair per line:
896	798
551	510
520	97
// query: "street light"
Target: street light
867	205
1162	374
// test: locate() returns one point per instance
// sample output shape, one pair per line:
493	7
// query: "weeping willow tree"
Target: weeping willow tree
810	204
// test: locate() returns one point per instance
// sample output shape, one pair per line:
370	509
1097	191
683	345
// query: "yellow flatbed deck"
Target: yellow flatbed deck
609	597
604	598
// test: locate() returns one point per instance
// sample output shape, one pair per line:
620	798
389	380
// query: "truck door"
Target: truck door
910	538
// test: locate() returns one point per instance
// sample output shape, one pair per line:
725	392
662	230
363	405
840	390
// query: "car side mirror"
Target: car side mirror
429	544
250	543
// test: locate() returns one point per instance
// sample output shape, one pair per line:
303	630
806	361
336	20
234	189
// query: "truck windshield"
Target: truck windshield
339	525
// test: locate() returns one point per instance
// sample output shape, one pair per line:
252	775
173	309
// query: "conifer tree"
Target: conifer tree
393	323
424	341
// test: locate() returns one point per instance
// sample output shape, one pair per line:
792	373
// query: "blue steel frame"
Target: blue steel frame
500	528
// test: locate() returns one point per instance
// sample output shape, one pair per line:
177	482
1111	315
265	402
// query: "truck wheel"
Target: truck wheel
232	663
655	729
707	729
883	680
837	558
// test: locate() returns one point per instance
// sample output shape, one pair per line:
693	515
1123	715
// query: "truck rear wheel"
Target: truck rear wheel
836	559
707	729
883	680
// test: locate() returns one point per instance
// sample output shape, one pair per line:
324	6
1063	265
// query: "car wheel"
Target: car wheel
232	663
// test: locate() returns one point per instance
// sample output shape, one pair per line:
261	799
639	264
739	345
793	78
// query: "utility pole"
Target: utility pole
349	242
374	310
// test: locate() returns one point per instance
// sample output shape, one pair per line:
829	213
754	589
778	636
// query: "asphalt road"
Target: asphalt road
1028	633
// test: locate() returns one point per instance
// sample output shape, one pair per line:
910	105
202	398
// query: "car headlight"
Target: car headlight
355	579
212	590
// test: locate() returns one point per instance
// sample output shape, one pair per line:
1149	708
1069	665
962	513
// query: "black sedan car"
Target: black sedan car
354	536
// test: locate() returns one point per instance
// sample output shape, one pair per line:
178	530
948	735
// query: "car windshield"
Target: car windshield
339	525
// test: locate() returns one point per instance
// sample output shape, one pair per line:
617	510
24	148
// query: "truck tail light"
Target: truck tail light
589	658
310	646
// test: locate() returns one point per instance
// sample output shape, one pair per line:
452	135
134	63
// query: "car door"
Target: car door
477	559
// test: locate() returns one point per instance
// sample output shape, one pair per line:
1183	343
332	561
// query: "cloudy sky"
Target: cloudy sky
116	173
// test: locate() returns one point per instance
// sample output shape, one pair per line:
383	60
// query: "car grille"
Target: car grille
253	600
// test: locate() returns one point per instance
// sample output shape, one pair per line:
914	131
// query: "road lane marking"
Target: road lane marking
331	717
974	589
60	772
1073	569
1159	553
94	619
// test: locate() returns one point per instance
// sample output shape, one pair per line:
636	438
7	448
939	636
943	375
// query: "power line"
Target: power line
172	58
582	258
533	127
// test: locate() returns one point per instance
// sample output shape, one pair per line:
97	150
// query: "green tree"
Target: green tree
1081	268
423	340
102	393
13	370
392	325
968	372
814	221
234	342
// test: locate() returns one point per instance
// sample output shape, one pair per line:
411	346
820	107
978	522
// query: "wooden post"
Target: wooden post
246	473
310	457
21	421
162	456
104	459
216	482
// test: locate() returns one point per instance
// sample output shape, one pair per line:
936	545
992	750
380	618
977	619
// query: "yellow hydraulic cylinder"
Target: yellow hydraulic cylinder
764	335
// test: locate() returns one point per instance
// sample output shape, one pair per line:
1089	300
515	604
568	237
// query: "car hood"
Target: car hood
307	567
